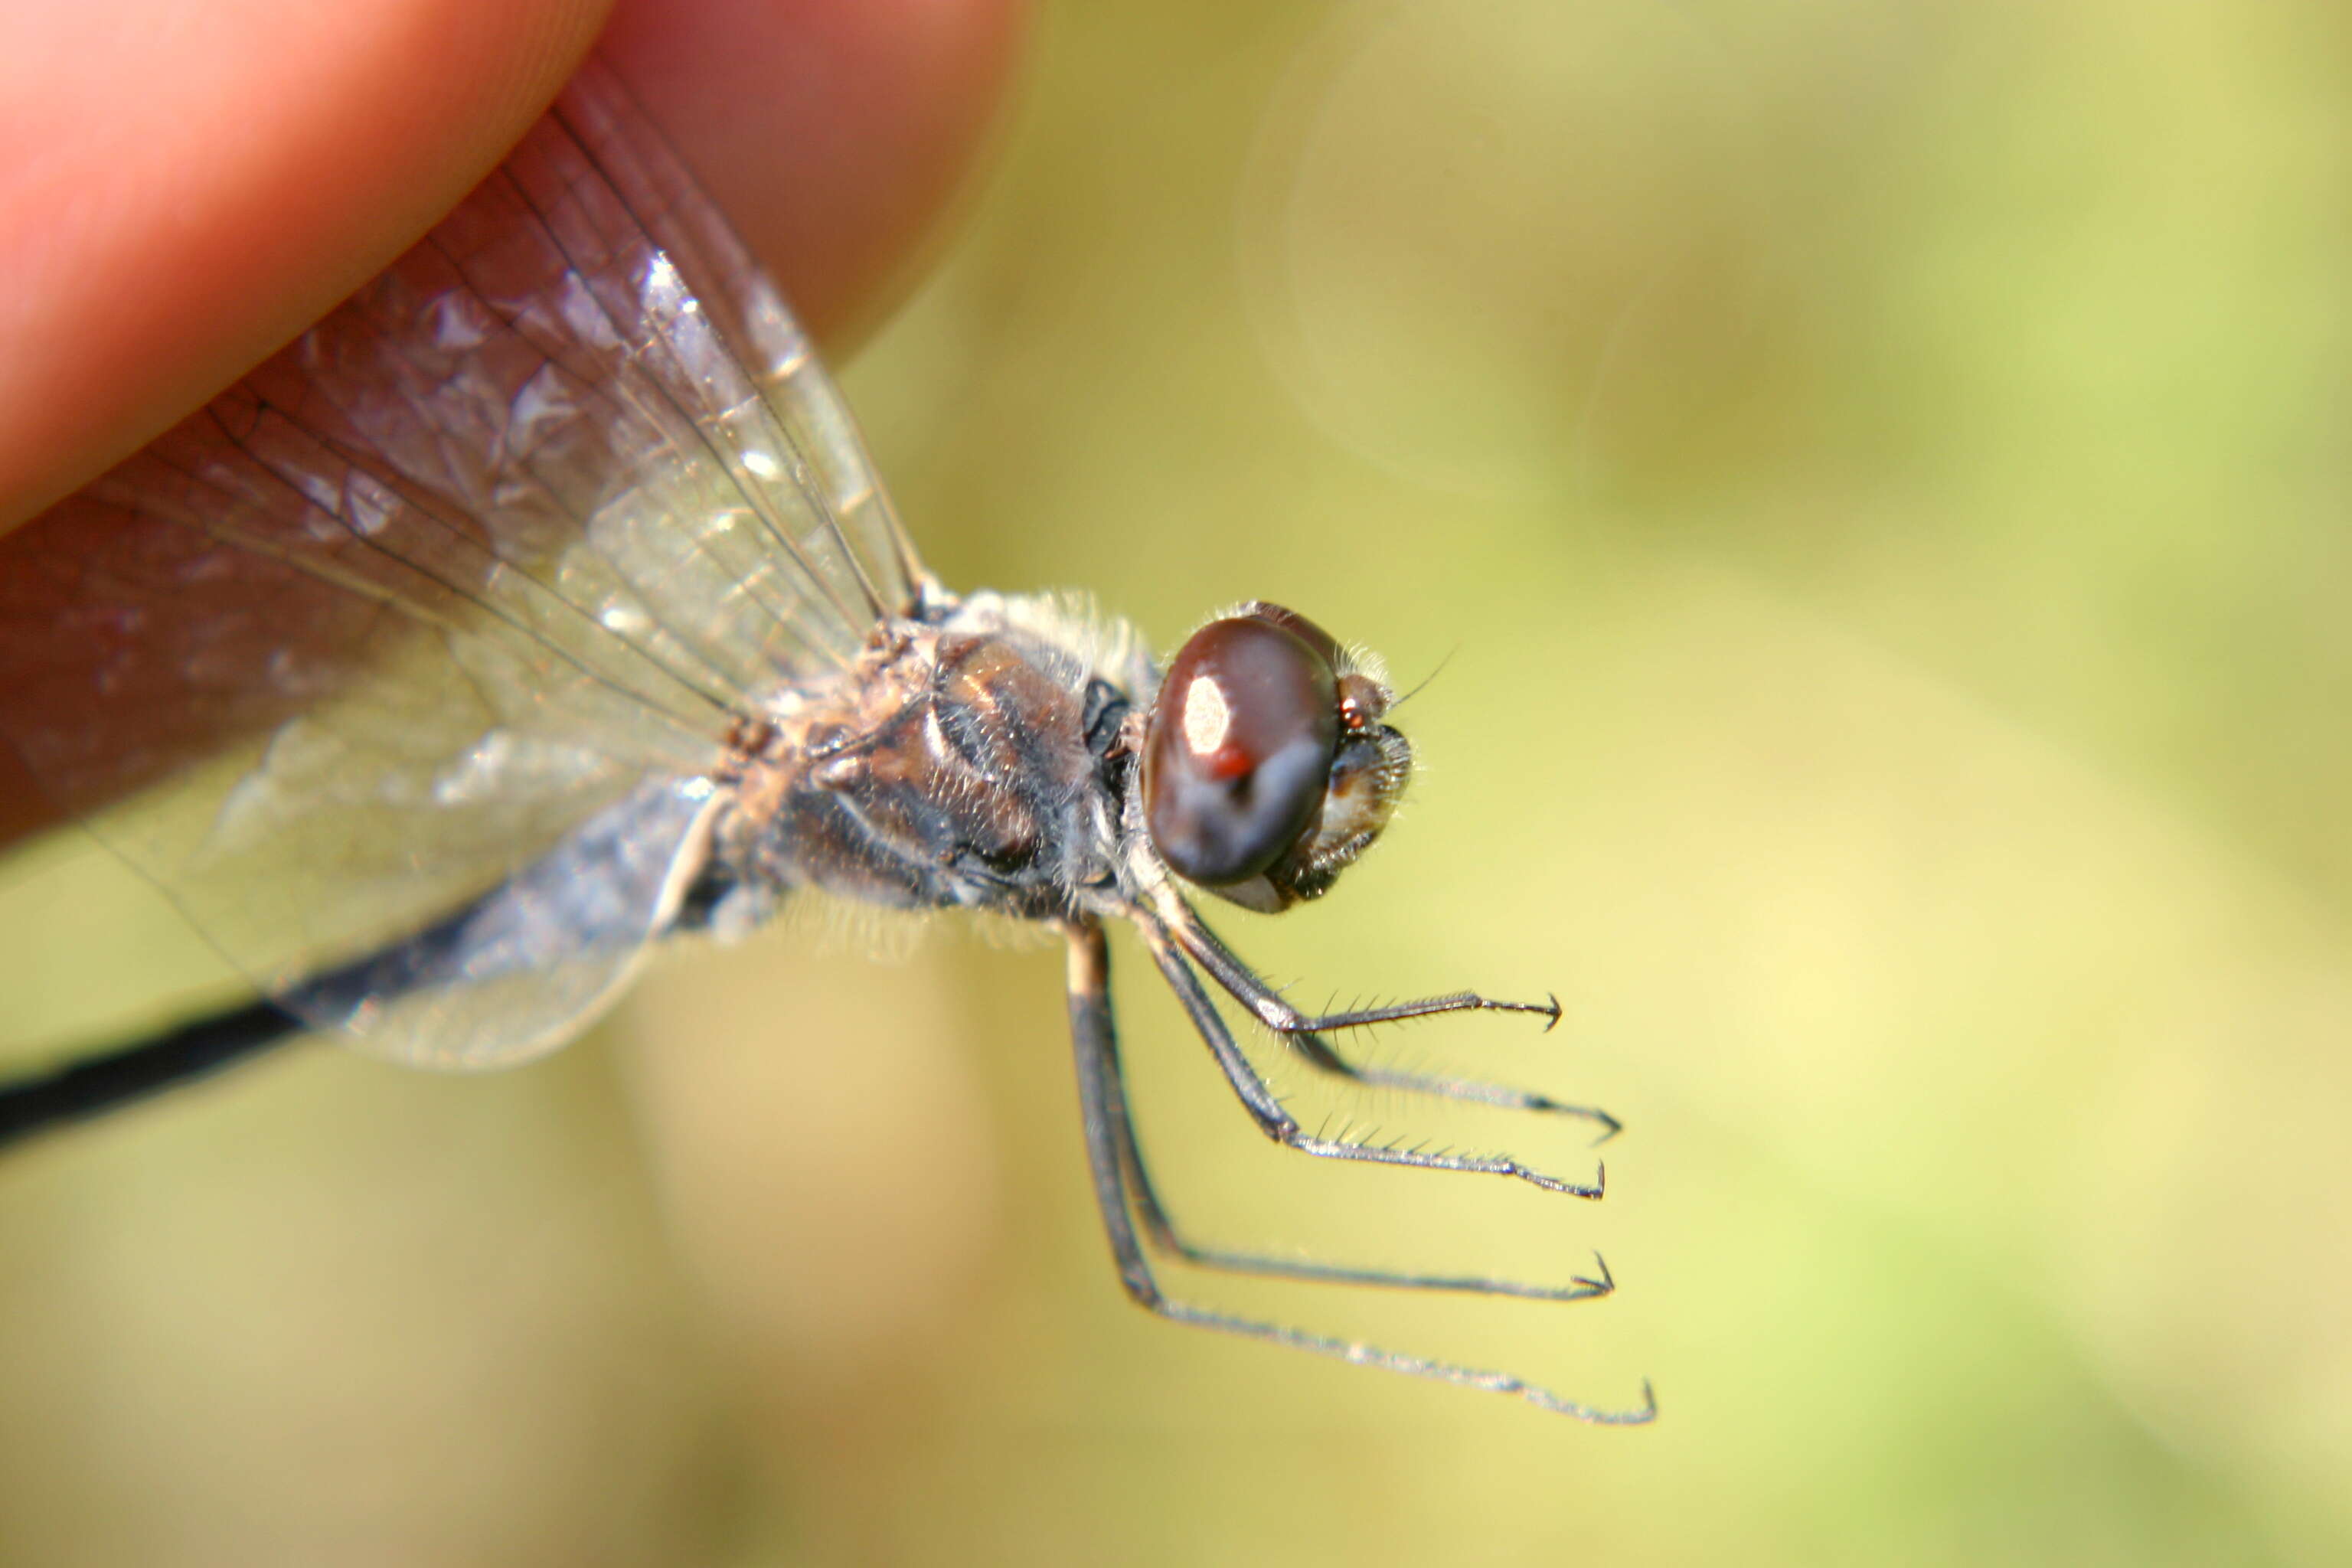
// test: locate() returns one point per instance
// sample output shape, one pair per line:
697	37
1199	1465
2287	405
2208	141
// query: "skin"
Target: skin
209	176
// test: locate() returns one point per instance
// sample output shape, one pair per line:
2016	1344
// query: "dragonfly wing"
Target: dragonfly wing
531	962
524	524
754	324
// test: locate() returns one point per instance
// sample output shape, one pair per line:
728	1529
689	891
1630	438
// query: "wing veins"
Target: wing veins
715	698
591	394
727	271
752	496
797	461
385	594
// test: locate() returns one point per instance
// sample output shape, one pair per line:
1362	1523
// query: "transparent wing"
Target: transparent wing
525	966
533	518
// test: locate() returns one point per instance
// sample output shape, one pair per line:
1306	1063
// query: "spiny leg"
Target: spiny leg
1227	969
1305	1030
1111	1157
1319	1053
1278	1124
1160	1229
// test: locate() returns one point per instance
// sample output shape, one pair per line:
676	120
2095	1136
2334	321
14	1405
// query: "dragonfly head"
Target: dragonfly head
1266	769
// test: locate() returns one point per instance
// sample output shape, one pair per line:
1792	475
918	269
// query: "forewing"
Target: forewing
536	516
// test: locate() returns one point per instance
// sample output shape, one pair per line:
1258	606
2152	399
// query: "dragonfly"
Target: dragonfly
541	602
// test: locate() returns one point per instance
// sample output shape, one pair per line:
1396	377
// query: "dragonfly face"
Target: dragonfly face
541	602
1266	767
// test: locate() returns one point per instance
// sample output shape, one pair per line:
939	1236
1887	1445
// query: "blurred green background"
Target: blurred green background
1878	475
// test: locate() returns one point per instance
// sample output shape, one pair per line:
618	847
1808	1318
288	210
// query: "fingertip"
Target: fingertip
260	159
255	160
833	135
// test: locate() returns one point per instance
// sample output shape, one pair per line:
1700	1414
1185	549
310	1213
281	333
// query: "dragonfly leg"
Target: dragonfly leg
1320	1054
1306	1031
1161	1231
1258	1098
1272	1009
1111	1155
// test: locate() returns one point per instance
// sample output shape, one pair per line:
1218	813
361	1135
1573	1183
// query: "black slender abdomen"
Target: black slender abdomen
98	1084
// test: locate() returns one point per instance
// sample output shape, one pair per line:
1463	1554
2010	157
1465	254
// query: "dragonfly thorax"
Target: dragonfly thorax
958	765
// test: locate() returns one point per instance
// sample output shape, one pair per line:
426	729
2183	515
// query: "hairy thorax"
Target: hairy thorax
958	764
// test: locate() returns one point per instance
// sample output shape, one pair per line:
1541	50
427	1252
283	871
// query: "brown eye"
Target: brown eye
1240	745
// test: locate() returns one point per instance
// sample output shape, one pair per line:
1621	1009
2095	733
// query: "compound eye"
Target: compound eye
1239	748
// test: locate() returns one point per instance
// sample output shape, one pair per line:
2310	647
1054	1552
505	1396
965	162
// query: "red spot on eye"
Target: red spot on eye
1229	763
